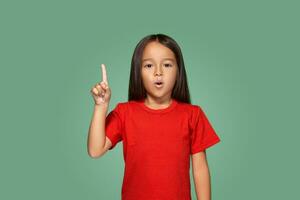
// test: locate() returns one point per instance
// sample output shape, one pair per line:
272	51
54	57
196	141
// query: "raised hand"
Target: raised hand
101	91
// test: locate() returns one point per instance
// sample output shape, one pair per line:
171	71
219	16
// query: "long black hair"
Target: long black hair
137	90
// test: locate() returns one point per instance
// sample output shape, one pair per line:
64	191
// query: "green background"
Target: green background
242	60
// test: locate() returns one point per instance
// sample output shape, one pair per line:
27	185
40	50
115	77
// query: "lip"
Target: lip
158	85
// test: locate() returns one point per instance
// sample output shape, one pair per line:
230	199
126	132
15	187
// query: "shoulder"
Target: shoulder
121	106
119	109
192	111
128	105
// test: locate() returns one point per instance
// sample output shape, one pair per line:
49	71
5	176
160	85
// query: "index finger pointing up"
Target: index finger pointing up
104	76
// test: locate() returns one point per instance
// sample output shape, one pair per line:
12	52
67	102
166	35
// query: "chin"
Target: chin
158	95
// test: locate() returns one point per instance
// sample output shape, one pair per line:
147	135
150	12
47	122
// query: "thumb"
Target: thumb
104	85
107	88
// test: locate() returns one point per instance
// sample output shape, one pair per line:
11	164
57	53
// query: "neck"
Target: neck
157	103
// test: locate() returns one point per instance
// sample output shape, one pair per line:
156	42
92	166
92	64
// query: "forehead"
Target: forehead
155	50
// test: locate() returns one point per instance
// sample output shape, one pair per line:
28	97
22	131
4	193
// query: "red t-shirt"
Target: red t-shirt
157	145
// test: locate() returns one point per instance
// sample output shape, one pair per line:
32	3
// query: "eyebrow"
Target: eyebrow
163	59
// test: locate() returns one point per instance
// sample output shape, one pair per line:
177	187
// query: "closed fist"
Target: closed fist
101	91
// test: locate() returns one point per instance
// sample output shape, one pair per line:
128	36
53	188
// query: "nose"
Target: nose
158	71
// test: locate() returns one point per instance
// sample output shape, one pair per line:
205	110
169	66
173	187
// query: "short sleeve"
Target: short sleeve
203	134
113	126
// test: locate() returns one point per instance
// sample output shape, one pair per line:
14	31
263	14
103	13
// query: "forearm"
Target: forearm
202	183
96	135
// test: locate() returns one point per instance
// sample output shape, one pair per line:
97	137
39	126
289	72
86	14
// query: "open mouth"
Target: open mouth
158	84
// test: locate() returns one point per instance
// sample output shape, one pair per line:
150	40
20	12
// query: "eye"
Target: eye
168	65
147	65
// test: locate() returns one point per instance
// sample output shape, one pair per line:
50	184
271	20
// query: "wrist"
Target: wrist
101	107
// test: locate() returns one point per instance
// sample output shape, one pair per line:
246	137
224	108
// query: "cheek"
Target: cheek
145	79
172	76
143	76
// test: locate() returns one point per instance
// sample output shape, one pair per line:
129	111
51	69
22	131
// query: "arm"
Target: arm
98	143
201	176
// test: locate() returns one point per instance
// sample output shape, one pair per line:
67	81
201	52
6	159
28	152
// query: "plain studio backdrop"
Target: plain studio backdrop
242	61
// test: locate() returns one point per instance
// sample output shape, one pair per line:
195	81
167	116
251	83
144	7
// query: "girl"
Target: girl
159	127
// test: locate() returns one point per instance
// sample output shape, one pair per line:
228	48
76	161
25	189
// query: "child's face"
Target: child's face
158	64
